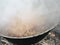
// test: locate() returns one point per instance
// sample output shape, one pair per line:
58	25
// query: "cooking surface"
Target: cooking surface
52	39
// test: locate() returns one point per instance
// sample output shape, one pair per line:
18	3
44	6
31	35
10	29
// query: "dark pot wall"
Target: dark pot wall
27	41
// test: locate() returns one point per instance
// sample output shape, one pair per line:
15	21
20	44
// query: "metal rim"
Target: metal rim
30	36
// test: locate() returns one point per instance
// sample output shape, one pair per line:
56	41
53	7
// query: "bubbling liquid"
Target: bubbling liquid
17	28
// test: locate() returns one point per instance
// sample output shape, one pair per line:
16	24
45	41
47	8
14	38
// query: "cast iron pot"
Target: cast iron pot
28	40
42	13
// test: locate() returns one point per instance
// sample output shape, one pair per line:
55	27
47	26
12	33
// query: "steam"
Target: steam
27	11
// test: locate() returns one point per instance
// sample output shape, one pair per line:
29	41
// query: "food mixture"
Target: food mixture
20	29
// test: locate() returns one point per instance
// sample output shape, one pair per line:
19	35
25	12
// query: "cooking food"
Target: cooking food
18	28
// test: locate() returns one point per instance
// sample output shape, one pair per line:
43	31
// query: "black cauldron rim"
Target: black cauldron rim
30	36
